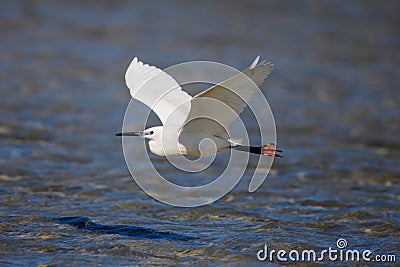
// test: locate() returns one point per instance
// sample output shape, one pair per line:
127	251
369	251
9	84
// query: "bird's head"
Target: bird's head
150	133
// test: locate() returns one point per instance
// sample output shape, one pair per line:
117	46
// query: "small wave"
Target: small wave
124	230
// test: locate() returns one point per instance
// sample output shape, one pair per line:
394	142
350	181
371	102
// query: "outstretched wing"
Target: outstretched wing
159	91
235	92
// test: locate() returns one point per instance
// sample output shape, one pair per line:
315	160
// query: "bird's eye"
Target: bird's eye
151	132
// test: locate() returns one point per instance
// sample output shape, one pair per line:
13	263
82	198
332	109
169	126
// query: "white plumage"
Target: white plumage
188	120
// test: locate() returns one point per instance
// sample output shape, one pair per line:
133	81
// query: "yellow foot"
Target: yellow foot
271	150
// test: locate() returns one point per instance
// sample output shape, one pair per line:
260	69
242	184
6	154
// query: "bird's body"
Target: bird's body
203	145
166	141
194	126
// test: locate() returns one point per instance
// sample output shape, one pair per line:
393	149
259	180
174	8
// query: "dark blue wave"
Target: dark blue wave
124	230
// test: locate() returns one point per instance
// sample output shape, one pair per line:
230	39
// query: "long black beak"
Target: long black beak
130	134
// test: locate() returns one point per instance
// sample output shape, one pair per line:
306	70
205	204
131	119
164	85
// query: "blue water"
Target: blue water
66	196
124	230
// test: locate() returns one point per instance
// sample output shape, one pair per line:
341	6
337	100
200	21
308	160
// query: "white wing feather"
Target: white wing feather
159	91
234	92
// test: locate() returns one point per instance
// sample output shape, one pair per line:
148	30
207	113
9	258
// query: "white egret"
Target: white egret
184	126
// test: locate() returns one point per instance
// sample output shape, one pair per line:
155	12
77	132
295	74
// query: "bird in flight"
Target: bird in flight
189	120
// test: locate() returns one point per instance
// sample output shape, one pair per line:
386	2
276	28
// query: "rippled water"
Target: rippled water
66	195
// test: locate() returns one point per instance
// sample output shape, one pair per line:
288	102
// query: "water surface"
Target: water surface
67	198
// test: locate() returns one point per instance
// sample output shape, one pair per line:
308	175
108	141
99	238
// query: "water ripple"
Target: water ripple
120	229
